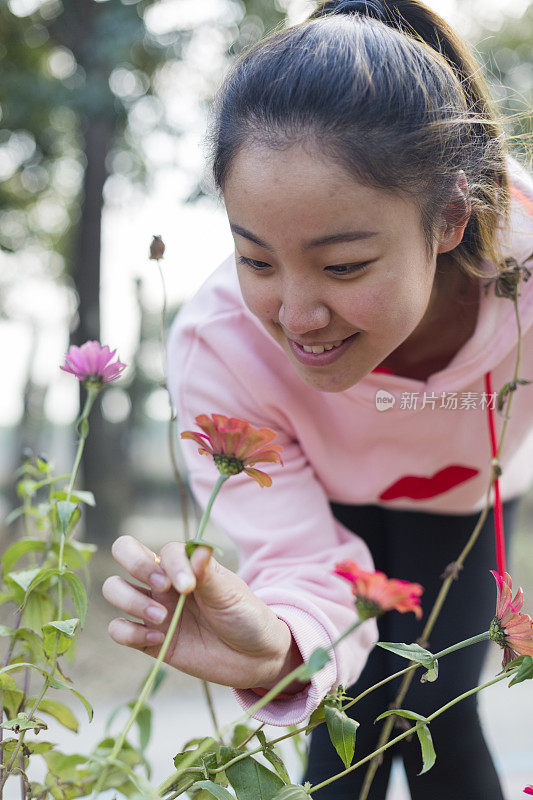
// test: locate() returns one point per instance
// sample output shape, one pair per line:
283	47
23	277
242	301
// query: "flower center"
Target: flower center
367	608
228	465
497	633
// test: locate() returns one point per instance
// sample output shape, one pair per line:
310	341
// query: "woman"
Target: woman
371	199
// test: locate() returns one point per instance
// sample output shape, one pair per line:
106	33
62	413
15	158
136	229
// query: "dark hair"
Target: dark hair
388	90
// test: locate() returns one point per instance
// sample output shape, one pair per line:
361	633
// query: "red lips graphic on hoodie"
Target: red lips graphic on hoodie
418	487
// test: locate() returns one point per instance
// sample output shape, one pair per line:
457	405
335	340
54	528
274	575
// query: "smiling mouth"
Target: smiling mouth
319	348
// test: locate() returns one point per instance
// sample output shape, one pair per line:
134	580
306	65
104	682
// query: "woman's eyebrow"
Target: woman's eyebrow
342	236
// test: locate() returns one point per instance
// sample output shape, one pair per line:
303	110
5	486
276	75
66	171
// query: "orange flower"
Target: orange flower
511	630
235	445
375	593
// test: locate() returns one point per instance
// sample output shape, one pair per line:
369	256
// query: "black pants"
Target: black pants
417	546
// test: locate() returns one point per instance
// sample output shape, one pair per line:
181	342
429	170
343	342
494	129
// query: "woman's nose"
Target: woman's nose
298	316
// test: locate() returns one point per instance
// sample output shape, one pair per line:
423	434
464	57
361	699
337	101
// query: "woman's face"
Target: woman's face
323	260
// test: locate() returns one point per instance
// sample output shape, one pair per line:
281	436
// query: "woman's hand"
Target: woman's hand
225	635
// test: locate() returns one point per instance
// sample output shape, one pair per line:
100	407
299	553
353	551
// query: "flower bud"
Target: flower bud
157	248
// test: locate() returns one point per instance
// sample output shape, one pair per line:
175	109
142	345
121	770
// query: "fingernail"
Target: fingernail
155	637
158	581
155	613
184	581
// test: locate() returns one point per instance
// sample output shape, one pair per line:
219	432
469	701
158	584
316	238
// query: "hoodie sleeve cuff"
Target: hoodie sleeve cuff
308	634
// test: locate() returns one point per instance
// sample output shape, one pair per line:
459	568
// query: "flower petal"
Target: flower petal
261	477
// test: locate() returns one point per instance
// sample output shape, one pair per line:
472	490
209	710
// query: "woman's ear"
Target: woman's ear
455	216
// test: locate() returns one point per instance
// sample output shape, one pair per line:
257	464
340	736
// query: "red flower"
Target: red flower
235	445
375	593
510	629
528	790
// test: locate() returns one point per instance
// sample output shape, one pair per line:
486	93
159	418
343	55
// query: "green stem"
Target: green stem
515	376
278	688
144	693
409	732
465	643
89	400
164	647
207	512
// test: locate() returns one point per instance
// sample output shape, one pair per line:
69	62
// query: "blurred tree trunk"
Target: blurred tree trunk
104	465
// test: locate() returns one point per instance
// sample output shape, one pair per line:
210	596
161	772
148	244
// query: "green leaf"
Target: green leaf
66	515
428	751
190	547
240	733
413	652
18	549
270	755
293	792
63	631
22	723
40	747
212	789
317	661
77	496
277	763
22	665
23	578
38	610
432	674
158	680
59	711
318	715
42	576
402	713
342	730
55	684
79	595
253	781
525	671
30	640
144	723
11	695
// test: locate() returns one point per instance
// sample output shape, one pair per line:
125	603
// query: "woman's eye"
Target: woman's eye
251	262
337	269
348	269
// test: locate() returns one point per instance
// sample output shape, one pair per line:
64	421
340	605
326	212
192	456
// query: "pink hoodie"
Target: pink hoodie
427	450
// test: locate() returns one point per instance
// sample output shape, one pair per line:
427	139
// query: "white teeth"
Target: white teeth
320	348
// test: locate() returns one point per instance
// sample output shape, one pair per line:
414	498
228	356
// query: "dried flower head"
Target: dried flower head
375	593
508	280
91	363
510	629
235	445
157	248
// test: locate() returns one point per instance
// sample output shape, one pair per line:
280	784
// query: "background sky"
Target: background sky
197	235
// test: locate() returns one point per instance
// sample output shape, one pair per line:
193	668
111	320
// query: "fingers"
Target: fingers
177	566
134	600
139	561
133	634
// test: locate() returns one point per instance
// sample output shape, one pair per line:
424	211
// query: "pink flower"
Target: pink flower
235	445
528	790
91	363
375	593
510	629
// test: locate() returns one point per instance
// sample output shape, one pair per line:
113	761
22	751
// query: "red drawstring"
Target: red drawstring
498	511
